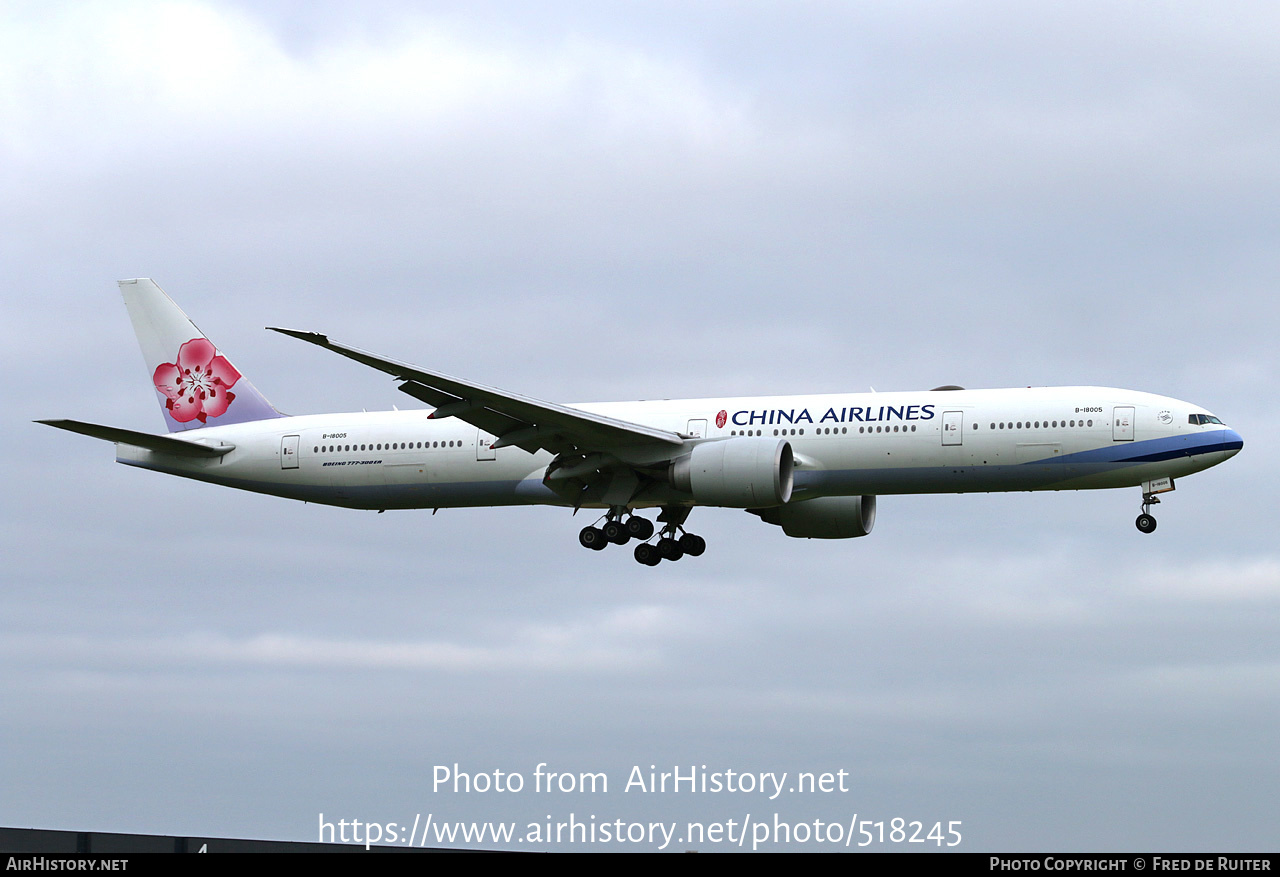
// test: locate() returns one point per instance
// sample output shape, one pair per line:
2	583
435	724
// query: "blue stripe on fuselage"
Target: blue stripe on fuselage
1154	450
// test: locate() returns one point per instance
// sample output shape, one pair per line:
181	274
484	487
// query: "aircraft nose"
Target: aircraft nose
1232	442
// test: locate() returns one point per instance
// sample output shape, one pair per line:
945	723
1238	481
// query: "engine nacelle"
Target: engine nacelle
827	517
737	472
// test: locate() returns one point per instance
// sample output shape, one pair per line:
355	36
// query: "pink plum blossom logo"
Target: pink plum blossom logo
198	385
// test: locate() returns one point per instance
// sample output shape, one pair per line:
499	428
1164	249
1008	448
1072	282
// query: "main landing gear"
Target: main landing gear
1146	521
615	530
673	542
669	547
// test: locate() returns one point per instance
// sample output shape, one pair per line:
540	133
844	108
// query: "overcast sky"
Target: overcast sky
581	202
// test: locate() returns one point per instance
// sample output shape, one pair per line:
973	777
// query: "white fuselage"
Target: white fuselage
953	441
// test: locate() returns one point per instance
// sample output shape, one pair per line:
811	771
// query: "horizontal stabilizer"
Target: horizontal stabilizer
162	444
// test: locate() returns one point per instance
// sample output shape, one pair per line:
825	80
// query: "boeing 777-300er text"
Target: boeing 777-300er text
812	465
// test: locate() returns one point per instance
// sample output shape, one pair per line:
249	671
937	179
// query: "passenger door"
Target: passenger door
953	427
289	452
1122	424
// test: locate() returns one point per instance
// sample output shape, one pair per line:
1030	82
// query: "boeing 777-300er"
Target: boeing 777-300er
812	465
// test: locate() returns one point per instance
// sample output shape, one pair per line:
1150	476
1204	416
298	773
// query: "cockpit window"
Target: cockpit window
1202	419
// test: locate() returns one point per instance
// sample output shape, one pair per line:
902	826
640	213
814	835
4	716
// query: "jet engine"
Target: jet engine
827	517
736	472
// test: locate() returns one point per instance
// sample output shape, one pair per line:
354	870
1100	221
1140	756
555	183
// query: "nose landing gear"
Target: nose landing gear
1146	521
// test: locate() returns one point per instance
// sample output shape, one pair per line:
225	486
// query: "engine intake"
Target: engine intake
737	472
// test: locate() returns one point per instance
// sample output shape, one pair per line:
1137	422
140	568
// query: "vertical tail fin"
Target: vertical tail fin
198	386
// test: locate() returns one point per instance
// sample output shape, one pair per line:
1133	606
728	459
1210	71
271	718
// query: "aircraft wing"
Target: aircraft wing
525	422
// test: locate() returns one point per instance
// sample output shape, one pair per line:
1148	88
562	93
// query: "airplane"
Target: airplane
811	465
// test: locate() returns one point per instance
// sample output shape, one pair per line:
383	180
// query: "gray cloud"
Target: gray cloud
668	200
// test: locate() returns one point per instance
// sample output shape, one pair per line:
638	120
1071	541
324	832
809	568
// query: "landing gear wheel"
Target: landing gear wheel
616	532
593	538
639	528
693	545
1146	523
670	548
647	554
